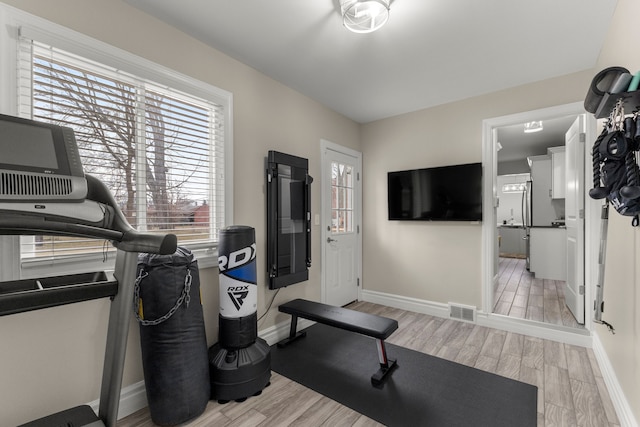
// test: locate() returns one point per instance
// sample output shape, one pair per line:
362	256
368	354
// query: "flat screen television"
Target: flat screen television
447	193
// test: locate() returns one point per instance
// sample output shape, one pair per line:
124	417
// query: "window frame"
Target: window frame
16	23
342	204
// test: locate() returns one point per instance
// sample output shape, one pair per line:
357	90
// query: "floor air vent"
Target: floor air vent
466	313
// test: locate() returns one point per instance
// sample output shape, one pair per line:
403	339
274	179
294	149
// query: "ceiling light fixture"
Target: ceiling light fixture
514	188
532	127
364	16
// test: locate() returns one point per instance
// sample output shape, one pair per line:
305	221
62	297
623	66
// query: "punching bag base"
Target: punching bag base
239	373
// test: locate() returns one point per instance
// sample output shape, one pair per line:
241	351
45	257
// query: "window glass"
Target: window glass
159	150
341	198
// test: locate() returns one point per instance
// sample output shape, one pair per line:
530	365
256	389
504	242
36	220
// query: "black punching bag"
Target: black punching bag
240	363
172	336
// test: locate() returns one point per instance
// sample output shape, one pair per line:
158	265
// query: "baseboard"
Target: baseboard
132	398
407	303
550	332
563	334
281	331
618	398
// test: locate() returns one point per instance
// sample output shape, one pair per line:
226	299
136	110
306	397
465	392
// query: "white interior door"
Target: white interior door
341	241
574	218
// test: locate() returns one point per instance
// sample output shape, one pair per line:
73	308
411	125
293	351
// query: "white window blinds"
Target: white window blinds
159	150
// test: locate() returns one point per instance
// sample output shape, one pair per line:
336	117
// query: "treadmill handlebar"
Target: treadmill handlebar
113	226
132	240
163	244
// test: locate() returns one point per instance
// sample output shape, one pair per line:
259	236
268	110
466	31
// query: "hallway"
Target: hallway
518	294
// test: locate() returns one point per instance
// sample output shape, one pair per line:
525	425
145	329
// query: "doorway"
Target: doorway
513	288
341	218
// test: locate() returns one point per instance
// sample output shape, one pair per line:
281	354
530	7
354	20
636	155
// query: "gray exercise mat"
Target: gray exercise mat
422	390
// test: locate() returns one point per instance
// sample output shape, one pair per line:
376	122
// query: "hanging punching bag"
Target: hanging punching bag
240	363
172	336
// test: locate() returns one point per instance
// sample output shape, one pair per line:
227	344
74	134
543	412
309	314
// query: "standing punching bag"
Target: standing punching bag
172	336
240	363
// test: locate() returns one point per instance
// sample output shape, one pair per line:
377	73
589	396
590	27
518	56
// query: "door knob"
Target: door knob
329	240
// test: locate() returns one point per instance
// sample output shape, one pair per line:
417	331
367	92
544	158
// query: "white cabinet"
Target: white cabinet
548	253
558	176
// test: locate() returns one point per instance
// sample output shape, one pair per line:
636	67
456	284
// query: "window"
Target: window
160	150
341	198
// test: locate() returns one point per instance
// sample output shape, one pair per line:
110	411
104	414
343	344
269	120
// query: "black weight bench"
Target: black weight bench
371	325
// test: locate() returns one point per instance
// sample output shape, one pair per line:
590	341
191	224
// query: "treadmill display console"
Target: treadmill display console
39	162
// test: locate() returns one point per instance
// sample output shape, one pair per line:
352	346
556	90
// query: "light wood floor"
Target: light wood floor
571	390
518	294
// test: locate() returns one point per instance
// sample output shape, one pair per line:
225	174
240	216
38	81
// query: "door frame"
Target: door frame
326	204
592	207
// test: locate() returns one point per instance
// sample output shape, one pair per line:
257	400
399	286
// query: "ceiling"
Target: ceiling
429	53
517	145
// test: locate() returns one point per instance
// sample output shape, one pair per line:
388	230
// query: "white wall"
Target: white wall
622	274
437	261
52	359
441	262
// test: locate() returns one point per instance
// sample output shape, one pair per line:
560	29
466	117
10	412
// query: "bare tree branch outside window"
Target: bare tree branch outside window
106	114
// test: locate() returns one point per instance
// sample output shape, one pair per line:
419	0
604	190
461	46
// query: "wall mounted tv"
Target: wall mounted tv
447	193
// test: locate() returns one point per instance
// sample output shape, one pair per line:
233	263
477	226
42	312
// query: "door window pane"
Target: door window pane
341	198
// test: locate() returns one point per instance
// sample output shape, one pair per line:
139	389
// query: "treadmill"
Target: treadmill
43	190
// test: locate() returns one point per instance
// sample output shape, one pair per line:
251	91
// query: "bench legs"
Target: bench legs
386	364
293	335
